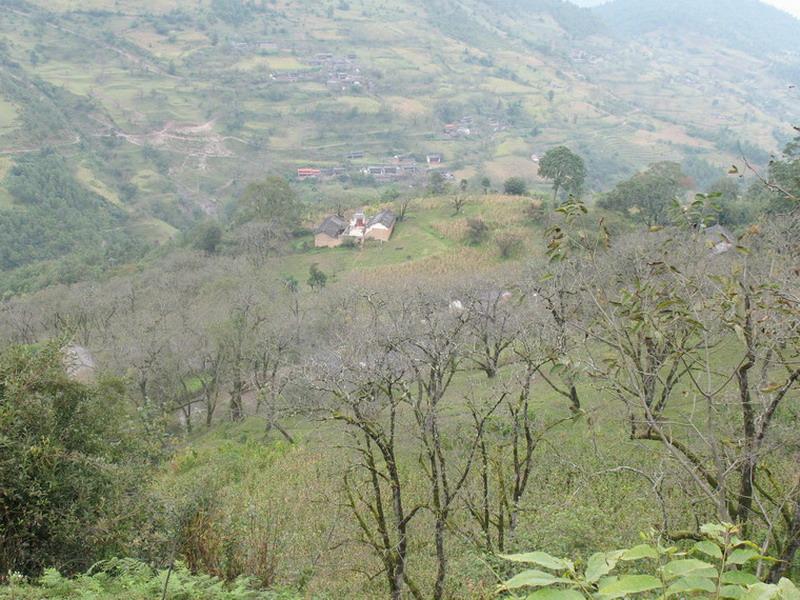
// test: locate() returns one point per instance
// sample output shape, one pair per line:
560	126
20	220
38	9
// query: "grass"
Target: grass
154	230
85	175
8	115
6	201
501	169
430	239
560	509
513	146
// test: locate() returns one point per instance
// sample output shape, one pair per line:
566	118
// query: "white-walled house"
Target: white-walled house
381	226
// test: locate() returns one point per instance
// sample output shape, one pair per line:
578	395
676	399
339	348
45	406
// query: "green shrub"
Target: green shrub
718	566
70	465
133	580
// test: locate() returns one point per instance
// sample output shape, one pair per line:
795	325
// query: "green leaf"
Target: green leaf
742	555
738	578
629	584
709	549
600	564
533	578
542	559
788	590
691	584
733	592
639	552
689	566
551	594
761	591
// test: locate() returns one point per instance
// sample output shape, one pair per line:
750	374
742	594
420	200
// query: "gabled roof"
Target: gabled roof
332	226
386	218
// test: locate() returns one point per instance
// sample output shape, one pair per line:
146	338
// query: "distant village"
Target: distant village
396	168
338	73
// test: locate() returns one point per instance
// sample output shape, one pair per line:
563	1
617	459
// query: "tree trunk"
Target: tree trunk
792	547
237	411
441	559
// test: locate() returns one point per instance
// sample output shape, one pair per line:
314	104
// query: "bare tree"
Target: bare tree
367	398
434	351
271	374
493	327
661	330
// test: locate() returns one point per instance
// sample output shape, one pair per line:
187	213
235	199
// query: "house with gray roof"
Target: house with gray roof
329	233
381	226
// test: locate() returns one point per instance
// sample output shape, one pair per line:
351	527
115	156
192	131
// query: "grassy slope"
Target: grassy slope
574	505
577	502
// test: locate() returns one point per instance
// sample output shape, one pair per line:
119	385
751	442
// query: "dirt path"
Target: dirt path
39	148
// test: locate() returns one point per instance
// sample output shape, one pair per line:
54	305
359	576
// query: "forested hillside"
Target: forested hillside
166	112
353	299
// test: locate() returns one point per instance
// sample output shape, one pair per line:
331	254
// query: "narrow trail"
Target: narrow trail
40	147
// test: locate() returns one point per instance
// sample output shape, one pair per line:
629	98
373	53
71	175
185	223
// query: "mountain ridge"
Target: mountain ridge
750	25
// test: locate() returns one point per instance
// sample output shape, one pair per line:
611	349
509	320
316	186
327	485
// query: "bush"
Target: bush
207	237
477	231
129	578
719	566
316	277
509	244
515	186
69	473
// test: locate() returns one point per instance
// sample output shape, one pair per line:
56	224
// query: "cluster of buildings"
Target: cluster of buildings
338	73
398	168
304	173
458	130
335	230
466	127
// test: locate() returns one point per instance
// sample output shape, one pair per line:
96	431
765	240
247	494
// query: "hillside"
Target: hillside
405	300
163	112
749	25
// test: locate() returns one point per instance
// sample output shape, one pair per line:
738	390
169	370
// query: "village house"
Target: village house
308	173
391	172
456	130
329	233
334	230
381	226
433	159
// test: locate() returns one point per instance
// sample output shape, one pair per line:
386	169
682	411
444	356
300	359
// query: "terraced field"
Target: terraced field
168	109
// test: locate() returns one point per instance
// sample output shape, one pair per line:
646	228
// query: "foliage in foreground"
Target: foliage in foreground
718	566
72	462
134	580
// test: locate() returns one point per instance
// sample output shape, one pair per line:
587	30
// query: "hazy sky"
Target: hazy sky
790	6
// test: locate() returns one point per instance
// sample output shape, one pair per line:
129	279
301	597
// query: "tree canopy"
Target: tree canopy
648	196
784	175
515	186
67	467
565	169
271	200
